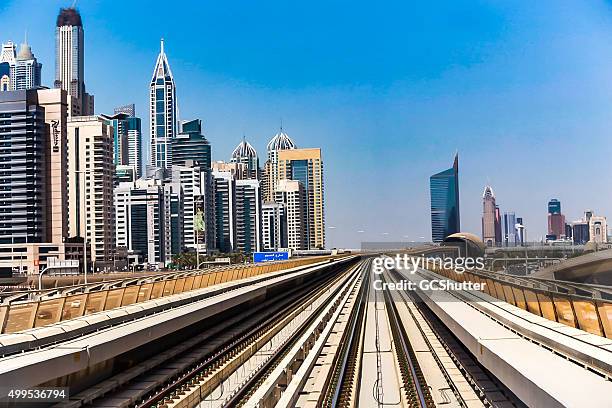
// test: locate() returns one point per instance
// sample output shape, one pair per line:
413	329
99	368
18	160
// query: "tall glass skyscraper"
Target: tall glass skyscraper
162	112
444	190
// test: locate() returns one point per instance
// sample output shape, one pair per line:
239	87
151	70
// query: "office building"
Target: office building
292	195
598	229
191	145
70	59
23	169
33	205
26	71
488	217
510	229
556	220
163	112
8	57
246	154
90	186
197	196
5	79
520	231
56	105
444	192
281	141
274	227
224	187
248	216
306	166
238	170
581	232
144	221
498	226
127	141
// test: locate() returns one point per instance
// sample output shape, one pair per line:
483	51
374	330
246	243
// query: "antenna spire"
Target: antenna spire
162	45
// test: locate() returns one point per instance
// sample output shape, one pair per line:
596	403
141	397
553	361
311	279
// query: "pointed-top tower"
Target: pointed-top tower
245	153
162	111
280	141
489	217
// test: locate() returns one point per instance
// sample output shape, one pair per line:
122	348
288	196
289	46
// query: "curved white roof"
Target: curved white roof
244	149
281	141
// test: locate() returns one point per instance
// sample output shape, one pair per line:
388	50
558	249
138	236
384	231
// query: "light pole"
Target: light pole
85	234
40	274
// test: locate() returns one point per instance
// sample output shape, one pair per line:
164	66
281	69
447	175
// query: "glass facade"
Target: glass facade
191	144
554	206
444	190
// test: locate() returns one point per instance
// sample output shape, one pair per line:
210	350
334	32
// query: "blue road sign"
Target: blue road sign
259	257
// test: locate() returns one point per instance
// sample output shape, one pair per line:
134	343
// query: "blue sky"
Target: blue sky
389	90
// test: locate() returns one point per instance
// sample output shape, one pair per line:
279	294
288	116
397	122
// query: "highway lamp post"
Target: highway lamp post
40	274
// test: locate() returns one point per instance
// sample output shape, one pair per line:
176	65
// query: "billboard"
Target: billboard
259	257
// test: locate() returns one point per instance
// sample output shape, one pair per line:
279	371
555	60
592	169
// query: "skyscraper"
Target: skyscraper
274	226
225	210
90	181
55	103
292	195
127	141
498	226
556	220
8	57
248	216
488	216
193	182
510	229
191	145
281	141
520	231
23	204
444	191
245	153
306	166
26	71
33	203
162	111
70	58
144	220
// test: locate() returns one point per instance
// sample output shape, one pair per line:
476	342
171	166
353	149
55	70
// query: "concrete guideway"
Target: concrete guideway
35	367
522	365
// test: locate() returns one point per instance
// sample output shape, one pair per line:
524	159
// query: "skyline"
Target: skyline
314	108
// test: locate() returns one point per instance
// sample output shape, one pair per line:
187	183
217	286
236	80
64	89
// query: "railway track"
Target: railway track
330	342
161	380
451	358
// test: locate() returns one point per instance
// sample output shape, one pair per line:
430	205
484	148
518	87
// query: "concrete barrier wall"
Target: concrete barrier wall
591	315
19	316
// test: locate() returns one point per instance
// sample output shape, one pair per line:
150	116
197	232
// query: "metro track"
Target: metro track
207	362
331	341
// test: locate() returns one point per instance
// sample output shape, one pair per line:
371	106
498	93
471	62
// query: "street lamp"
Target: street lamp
85	237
